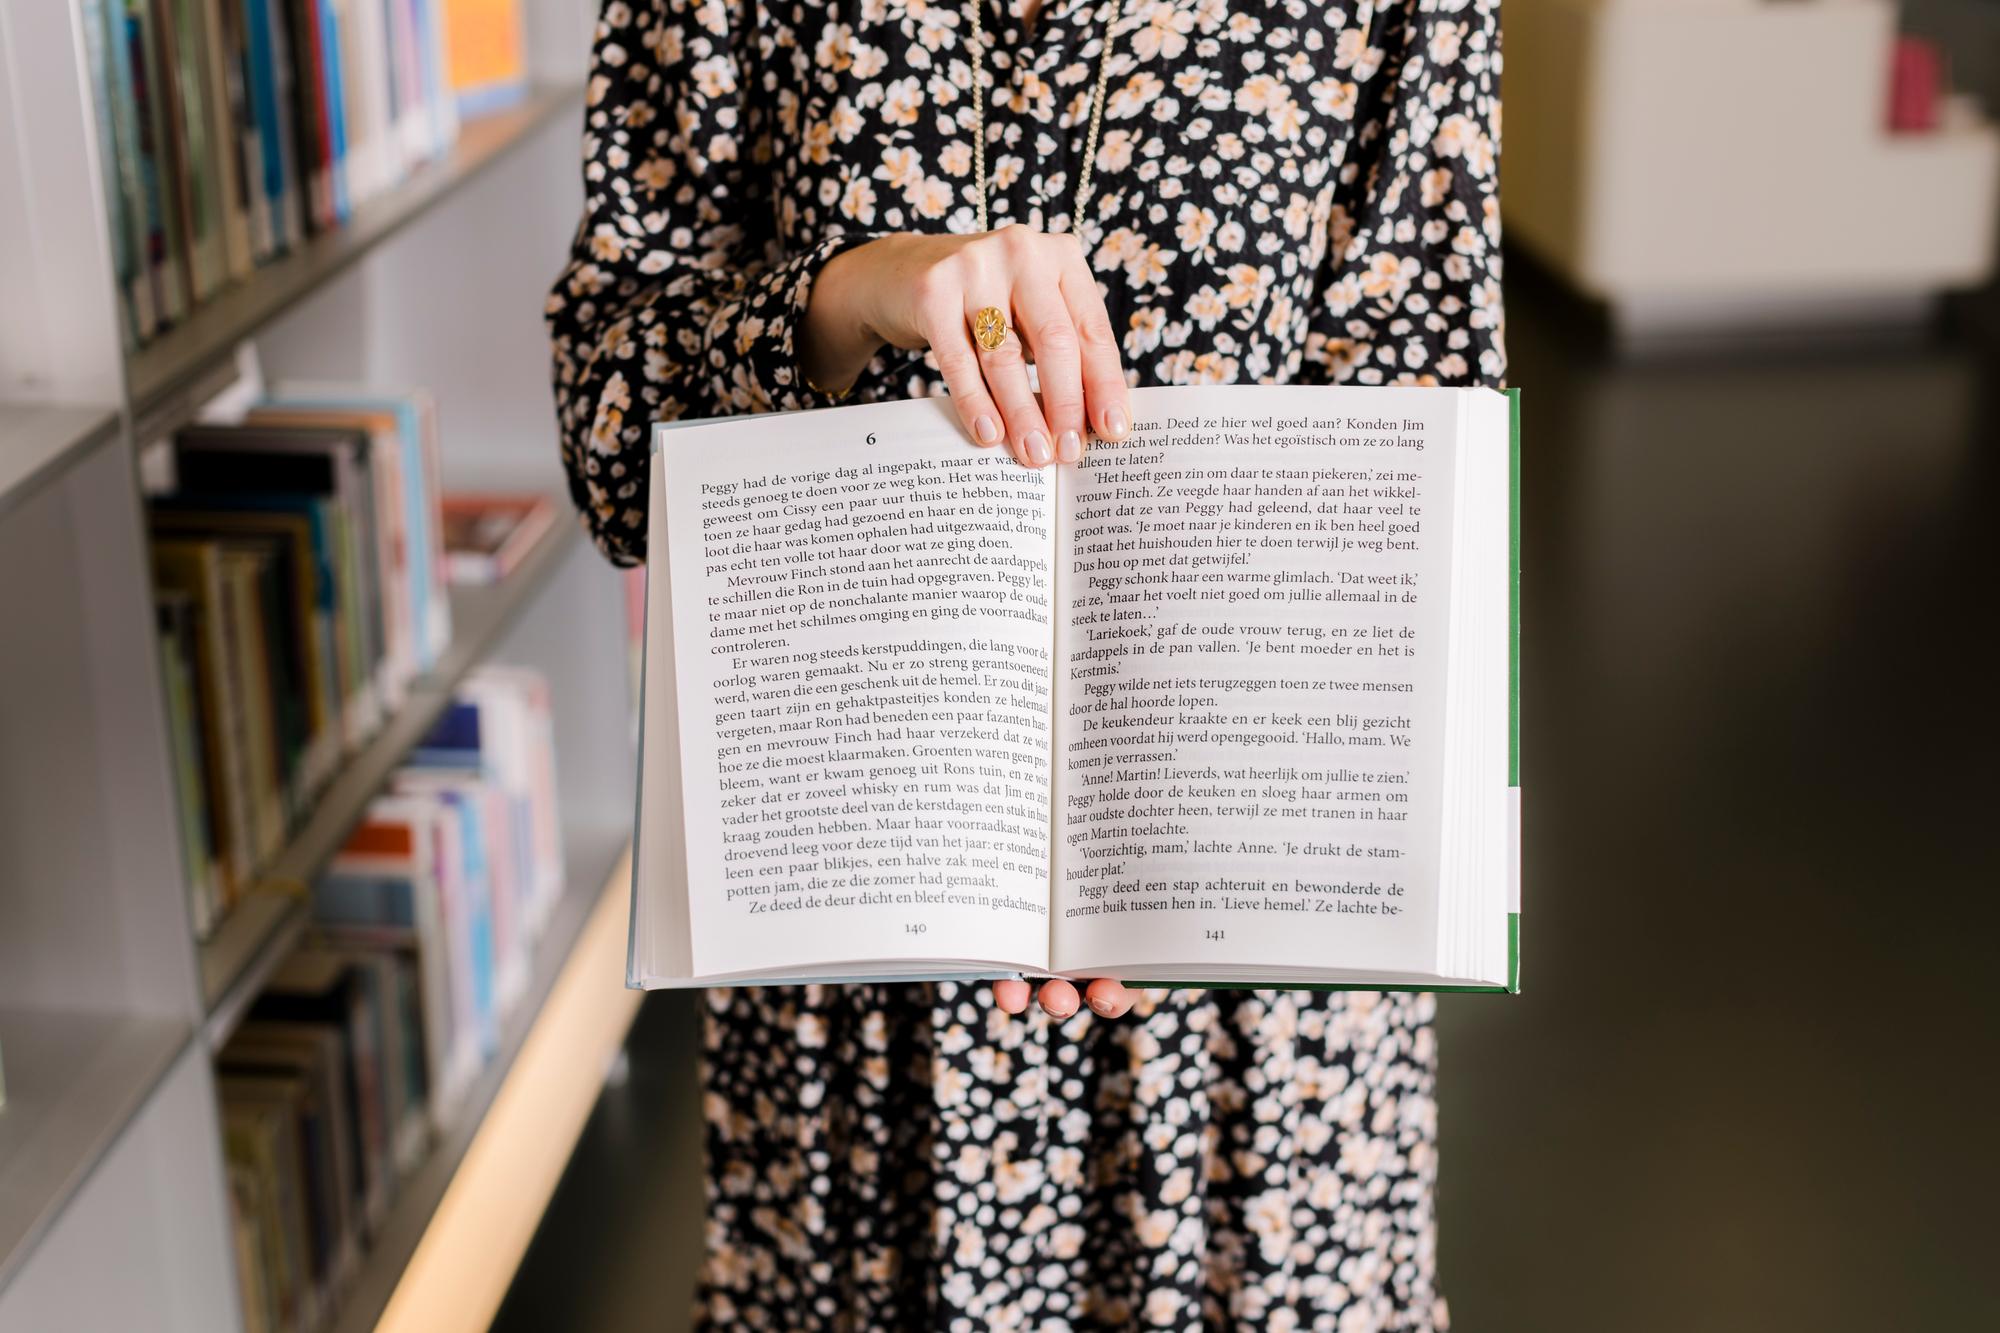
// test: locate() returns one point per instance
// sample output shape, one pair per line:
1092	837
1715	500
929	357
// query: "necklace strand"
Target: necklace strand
1090	138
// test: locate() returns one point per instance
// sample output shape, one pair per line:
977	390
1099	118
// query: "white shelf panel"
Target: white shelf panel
35	442
175	366
266	925
74	1080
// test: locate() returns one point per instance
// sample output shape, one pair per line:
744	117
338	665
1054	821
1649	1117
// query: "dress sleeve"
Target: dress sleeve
1411	291
677	300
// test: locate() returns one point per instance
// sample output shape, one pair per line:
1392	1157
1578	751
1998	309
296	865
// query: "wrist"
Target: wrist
836	340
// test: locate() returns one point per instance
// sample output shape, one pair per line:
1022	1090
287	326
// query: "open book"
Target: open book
1228	703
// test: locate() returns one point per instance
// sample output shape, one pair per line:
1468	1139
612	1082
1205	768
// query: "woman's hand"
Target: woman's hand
1107	998
919	289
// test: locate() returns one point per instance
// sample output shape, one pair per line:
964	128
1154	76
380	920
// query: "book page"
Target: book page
861	636
1251	654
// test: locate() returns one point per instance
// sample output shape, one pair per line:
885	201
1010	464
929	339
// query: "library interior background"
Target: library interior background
253	339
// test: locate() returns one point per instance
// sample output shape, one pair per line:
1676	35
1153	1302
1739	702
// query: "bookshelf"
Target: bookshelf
110	1140
254	938
177	360
594	858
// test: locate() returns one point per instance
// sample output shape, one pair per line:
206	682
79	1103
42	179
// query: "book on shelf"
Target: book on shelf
487	535
232	131
167	253
261	1143
194	164
297	556
342	995
386	890
488	63
193	570
1231	702
365	1043
113	112
180	652
499	728
283	1116
460	861
403	425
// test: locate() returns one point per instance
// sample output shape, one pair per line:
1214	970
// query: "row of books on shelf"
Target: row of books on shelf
230	131
367	1040
299	571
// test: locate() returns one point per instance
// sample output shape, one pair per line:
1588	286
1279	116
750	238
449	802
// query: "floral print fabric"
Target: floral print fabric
1285	191
905	1158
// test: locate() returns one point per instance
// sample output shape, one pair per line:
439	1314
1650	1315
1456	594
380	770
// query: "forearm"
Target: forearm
836	339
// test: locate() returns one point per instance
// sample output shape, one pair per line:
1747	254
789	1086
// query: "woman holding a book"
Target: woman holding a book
791	206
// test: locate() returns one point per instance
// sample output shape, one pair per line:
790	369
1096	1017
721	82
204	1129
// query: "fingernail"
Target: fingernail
1061	1013
1115	423
1070	446
985	431
1103	1006
1037	445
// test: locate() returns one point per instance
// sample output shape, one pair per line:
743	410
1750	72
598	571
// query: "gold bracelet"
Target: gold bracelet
825	393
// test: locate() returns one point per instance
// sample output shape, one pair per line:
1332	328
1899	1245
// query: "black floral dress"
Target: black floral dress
1286	191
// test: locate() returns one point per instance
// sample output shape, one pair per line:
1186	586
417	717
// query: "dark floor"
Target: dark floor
1750	1085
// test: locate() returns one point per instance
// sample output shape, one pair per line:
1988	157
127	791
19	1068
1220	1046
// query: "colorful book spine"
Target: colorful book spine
232	131
225	132
196	193
486	63
170	297
331	62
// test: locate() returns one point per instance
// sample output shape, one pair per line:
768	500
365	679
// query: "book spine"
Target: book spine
163	237
225	119
331	73
138	276
100	47
430	466
443	107
412	122
361	174
189	781
1514	689
193	173
228	746
303	83
309	113
261	67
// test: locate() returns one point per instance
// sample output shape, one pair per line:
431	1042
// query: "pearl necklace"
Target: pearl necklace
1090	139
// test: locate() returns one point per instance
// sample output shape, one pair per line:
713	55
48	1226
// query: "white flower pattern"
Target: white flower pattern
1285	191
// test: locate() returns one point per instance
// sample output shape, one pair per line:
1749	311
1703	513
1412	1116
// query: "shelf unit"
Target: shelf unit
77	1079
178	365
113	1204
36	440
592	860
254	938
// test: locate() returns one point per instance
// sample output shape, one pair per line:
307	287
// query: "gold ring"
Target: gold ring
989	327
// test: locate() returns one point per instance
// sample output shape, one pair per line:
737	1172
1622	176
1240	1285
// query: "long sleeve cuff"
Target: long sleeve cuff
752	339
